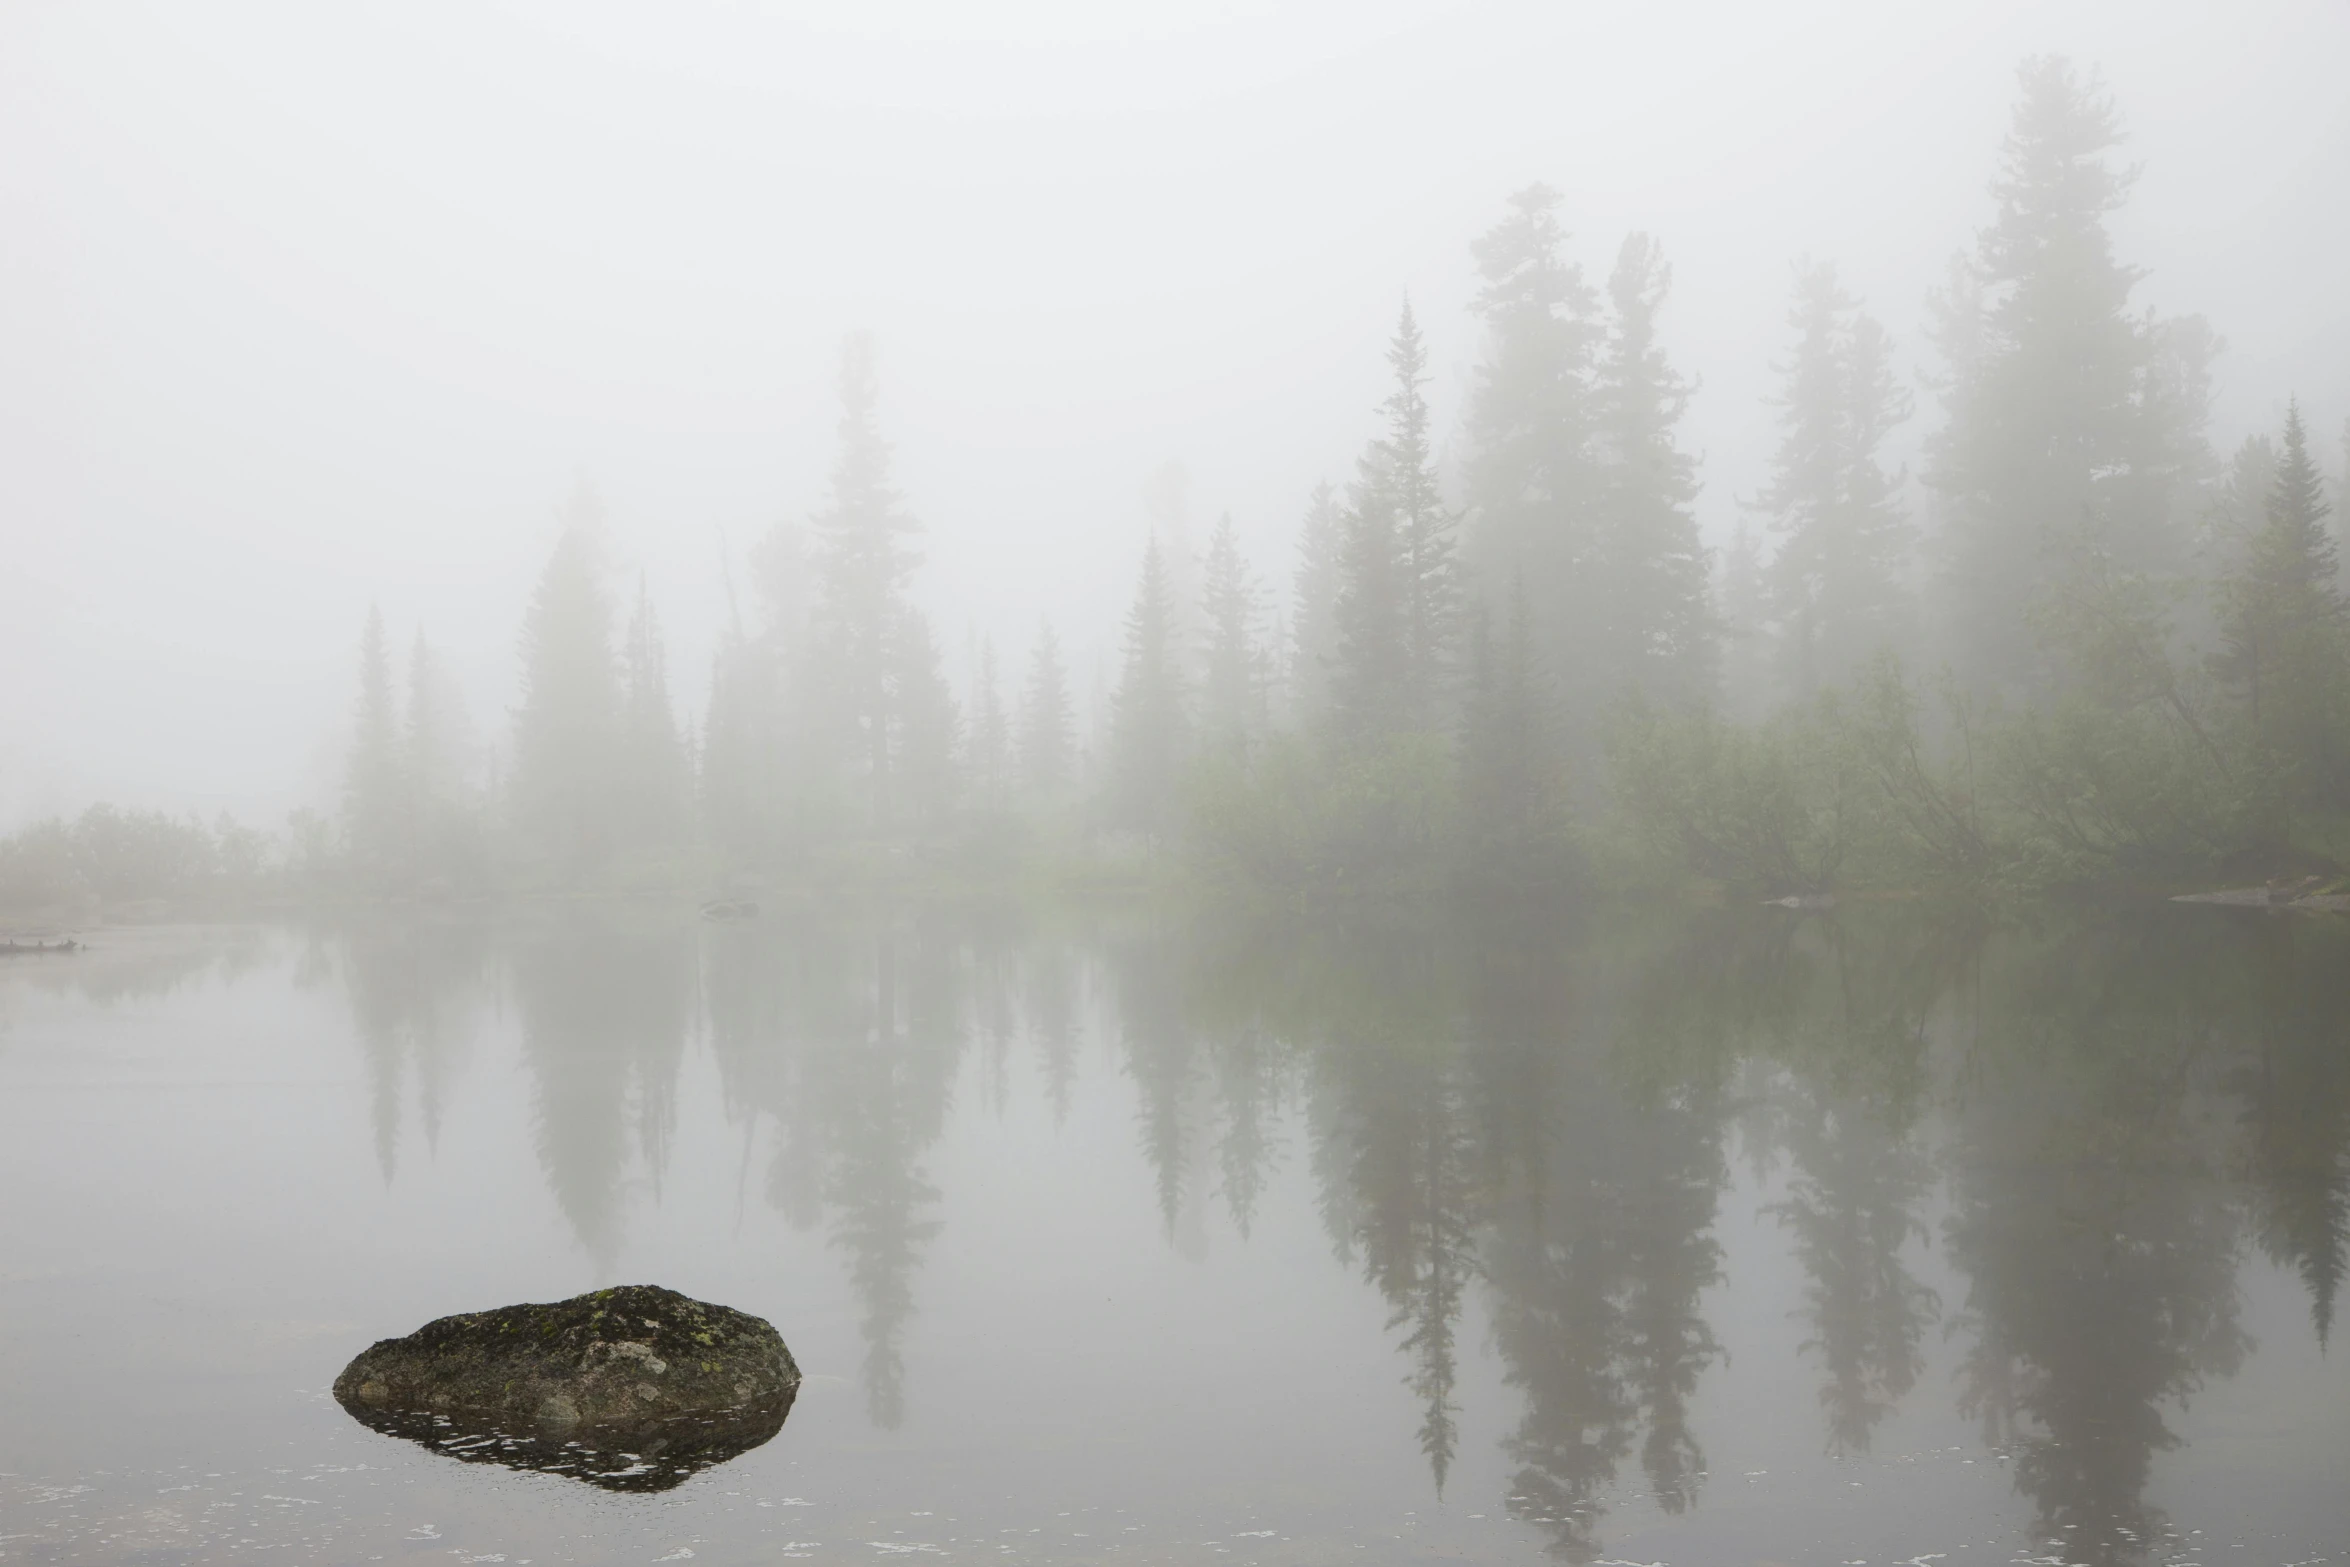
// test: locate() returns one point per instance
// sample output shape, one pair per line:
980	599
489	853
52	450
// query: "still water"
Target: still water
1741	1237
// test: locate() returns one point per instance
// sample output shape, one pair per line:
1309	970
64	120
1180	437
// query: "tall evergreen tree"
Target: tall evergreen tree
1655	624
863	561
567	726
1530	471
991	734
375	795
2048	393
654	781
1232	667
1313	627
1149	725
1048	721
1399	594
1835	582
2283	623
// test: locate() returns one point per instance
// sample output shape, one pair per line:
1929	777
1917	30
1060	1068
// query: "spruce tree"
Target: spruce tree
2048	421
653	781
1835	581
2283	625
1399	596
1048	721
1232	665
863	561
1149	725
375	806
566	731
1530	467
1313	630
991	739
1655	625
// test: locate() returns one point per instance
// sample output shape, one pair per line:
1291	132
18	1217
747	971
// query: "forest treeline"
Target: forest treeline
2085	646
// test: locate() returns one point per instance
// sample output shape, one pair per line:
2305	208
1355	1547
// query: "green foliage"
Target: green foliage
111	857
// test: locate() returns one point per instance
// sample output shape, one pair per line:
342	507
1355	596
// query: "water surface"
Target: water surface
1880	1236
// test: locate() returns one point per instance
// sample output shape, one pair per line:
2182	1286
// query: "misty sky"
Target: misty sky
303	305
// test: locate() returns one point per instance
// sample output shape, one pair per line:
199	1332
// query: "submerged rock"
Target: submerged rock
632	1388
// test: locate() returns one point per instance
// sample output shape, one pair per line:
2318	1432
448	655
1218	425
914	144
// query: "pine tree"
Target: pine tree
375	813
1835	582
1233	674
653	782
1399	597
1656	630
437	746
566	730
991	740
1149	727
863	561
2048	427
1531	481
1048	722
1313	631
2283	623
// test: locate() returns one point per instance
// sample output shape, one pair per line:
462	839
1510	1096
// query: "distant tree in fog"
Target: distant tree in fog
1233	668
1531	475
1313	627
1656	632
2285	643
1398	603
2053	422
991	731
654	778
1149	724
1835	582
864	559
567	728
375	814
1048	722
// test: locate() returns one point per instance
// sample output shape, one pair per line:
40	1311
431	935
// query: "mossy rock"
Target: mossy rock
632	1388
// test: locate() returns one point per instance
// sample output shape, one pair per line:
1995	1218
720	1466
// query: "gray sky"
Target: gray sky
305	305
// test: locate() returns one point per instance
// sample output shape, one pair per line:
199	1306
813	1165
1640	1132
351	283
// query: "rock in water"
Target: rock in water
632	1388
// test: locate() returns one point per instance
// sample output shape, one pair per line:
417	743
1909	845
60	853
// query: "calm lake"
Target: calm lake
1745	1236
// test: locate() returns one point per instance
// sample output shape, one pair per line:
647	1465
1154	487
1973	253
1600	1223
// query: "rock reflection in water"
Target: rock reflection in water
657	1456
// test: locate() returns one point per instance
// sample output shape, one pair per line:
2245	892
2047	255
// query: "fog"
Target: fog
305	309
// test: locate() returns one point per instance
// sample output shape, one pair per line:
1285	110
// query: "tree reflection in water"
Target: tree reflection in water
1533	1113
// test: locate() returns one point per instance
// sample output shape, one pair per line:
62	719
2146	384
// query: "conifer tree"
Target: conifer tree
1048	721
437	746
1149	725
1399	597
991	740
375	814
566	730
1530	477
2283	624
2048	424
863	561
1835	582
1656	630
653	780
1233	674
1313	630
